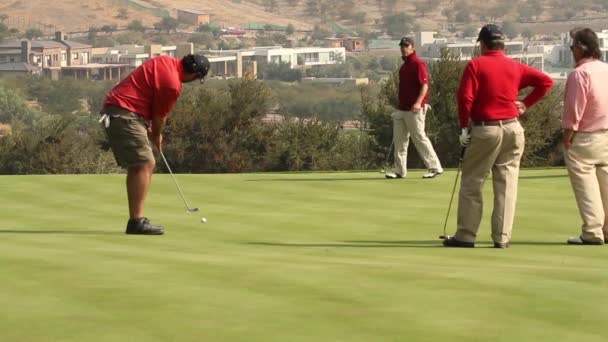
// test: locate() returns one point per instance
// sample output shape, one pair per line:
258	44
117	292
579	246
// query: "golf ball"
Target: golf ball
203	220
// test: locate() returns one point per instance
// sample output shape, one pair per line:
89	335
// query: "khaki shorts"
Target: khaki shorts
128	137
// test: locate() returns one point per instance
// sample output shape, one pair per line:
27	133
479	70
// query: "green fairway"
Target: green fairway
291	257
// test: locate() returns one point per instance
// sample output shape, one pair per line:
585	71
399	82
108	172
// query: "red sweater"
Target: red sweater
151	90
490	85
412	76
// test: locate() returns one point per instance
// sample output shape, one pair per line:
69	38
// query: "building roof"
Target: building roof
74	44
10	52
46	44
191	11
18	66
11	45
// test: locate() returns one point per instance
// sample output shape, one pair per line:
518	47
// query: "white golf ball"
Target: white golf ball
203	220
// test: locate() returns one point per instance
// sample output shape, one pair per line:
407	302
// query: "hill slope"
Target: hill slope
79	15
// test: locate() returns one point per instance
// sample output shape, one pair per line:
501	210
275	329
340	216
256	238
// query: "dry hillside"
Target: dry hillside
79	15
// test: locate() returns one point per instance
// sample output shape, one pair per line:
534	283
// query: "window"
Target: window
332	56
311	57
74	55
64	56
55	57
275	59
2	58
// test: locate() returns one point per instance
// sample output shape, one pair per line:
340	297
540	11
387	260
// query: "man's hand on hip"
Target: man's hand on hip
416	108
521	107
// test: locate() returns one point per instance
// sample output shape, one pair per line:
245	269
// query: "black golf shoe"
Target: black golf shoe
142	226
449	241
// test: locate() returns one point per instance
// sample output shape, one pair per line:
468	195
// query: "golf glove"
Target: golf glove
465	137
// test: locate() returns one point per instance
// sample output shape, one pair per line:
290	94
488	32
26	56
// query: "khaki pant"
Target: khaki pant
587	162
409	124
499	149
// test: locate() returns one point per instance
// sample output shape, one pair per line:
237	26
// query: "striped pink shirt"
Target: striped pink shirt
586	97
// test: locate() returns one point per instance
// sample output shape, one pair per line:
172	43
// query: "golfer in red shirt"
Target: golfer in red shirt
488	108
409	118
134	115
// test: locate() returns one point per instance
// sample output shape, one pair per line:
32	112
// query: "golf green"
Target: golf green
291	257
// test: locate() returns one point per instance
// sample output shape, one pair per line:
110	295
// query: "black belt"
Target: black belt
494	122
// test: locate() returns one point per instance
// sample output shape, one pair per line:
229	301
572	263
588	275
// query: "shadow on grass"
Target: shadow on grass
356	244
379	178
67	232
397	244
316	179
481	244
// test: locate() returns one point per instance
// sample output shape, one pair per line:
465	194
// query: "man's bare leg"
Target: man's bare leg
138	181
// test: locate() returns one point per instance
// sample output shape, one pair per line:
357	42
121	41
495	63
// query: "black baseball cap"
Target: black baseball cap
406	41
490	32
196	64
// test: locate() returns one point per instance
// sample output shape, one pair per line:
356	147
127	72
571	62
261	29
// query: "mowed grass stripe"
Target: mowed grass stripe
298	257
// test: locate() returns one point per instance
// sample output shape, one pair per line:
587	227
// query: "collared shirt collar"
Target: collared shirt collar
494	53
411	56
585	60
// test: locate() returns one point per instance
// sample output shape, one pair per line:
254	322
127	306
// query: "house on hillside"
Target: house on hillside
354	44
53	58
332	42
193	17
135	55
351	44
296	57
18	68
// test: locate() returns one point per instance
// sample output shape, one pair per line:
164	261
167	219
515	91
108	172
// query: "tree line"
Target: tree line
222	127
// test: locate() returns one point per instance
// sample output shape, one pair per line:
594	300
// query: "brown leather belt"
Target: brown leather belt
494	122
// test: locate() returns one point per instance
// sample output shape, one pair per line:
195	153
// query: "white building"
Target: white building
295	57
429	47
135	55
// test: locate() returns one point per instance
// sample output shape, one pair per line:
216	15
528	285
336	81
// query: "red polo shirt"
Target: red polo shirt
490	85
151	90
412	76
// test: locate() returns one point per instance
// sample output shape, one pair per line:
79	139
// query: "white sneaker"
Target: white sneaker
393	175
432	173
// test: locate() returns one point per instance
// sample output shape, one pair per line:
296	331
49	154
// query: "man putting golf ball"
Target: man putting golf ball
134	115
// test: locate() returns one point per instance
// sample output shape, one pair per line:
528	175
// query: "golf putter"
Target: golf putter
445	223
188	209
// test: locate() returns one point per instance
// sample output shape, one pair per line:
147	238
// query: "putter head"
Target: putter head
443	237
192	210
